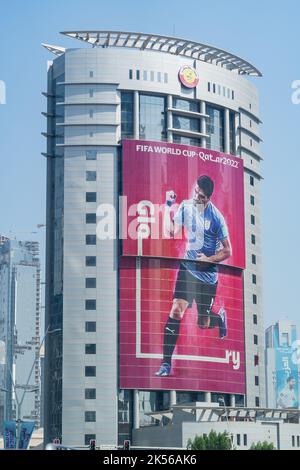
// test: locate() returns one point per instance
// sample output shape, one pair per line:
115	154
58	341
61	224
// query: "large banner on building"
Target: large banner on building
160	185
201	359
26	431
10	434
287	393
181	273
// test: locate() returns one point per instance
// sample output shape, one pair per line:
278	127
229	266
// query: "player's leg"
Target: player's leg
172	326
205	299
171	333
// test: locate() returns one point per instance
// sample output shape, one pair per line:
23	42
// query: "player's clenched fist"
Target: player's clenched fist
170	198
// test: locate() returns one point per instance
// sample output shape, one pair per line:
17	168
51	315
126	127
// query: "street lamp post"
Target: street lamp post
27	387
222	400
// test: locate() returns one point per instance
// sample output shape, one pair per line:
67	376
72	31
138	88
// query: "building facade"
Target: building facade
282	365
127	86
20	329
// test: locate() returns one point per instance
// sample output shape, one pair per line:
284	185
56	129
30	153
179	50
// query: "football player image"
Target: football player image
287	396
207	244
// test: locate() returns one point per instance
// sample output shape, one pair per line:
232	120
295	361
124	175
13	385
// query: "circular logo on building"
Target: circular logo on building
188	76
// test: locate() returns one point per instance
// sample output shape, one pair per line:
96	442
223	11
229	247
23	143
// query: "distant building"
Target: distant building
246	426
19	329
282	370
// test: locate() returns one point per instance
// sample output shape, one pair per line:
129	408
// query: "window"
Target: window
152	76
90	416
232	132
293	441
250	105
91	154
284	339
250	123
91	92
255	319
232	94
91	113
90	260
238	439
214	88
256	380
91	197
185	123
90	371
253	259
245	439
186	105
90	239
90	282
126	114
180	139
90	304
91	176
251	143
138	74
165	77
253	239
251	180
130	74
254	299
145	77
152	117
91	73
90	326
159	76
88	438
90	349
252	219
215	128
252	200
255	339
90	218
91	134
298	441
90	394
253	278
208	86
256	360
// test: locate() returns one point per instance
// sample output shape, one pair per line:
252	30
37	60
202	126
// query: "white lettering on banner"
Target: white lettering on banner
106	227
286	366
143	219
296	352
190	153
235	357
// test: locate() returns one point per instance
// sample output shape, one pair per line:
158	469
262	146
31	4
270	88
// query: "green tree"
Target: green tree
213	441
263	446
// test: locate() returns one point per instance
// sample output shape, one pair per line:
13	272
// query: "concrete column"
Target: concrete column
226	131
203	123
173	399
169	119
136	410
207	397
136	115
232	400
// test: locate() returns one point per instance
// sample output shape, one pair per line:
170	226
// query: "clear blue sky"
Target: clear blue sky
264	32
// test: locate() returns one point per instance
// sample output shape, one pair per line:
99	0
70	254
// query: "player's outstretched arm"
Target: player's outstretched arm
170	227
